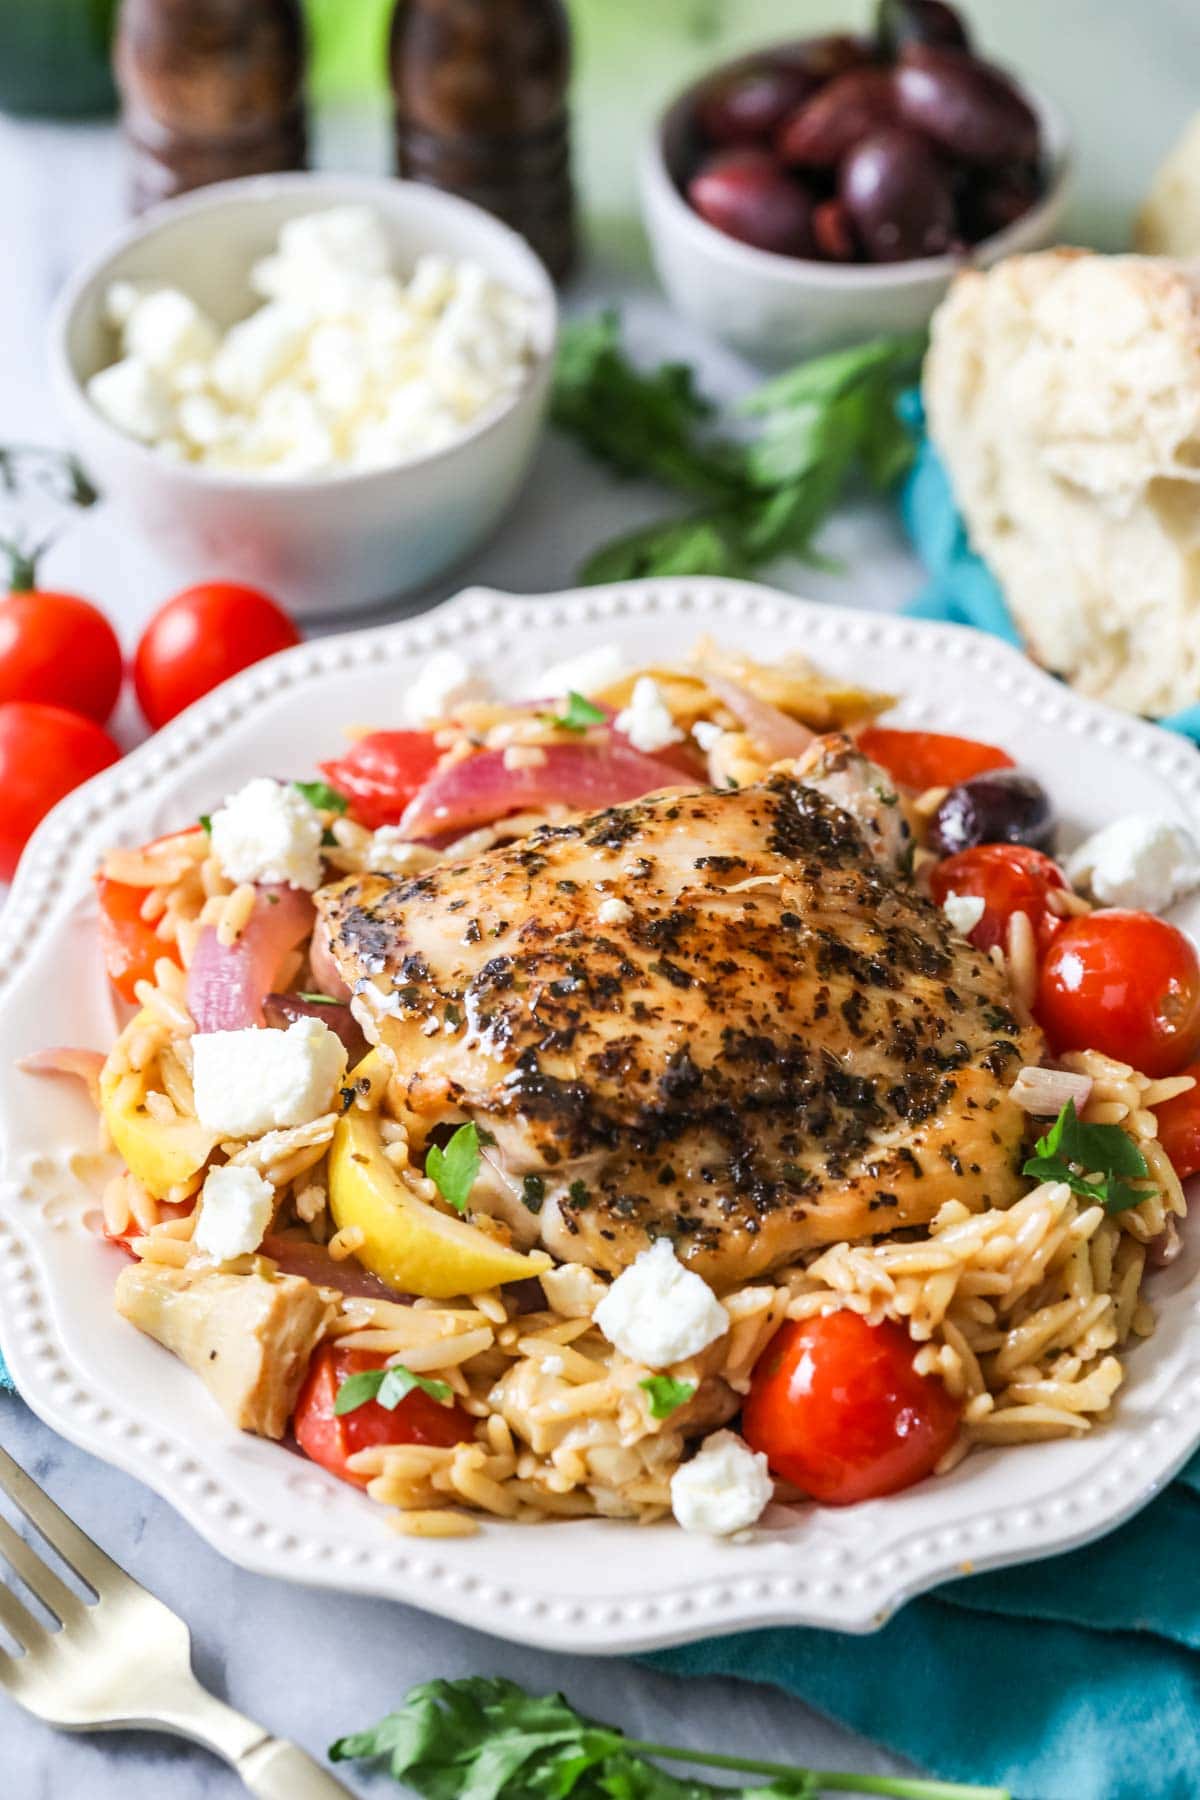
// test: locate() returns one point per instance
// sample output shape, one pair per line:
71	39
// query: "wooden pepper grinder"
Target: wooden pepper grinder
210	89
481	109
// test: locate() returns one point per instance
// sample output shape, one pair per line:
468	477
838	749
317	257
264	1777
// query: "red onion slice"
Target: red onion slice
227	983
297	1256
84	1065
776	735
1044	1092
481	789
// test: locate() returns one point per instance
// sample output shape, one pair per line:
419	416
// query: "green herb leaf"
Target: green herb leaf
665	1395
484	1738
319	999
1071	1151
206	821
322	796
578	714
453	1170
389	1387
533	1192
765	493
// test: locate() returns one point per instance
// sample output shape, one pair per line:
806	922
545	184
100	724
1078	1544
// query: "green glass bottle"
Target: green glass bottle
54	57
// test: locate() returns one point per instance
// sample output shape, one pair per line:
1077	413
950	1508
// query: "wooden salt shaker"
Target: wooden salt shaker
481	109
210	89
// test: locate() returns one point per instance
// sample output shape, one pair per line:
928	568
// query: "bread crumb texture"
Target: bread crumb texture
1063	395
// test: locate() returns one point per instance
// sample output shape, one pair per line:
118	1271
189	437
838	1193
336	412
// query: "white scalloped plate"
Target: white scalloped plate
576	1586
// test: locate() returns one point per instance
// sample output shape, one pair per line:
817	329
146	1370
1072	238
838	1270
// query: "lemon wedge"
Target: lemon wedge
407	1243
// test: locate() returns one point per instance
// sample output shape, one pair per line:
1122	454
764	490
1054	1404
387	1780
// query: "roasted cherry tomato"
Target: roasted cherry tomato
45	751
130	946
925	759
331	1440
838	1409
1127	984
1179	1127
59	651
381	772
1008	878
199	639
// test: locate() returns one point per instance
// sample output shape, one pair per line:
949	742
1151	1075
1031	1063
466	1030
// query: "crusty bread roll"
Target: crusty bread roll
1063	394
1169	221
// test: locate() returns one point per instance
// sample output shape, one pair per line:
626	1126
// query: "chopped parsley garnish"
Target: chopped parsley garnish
322	796
389	1387
578	714
1071	1151
533	1192
578	1193
206	822
664	1395
453	1170
318	999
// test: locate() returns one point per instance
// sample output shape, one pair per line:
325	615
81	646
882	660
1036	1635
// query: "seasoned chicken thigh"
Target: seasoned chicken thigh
715	1016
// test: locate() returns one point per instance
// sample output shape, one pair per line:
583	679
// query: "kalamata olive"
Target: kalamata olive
901	22
823	58
747	106
897	196
747	195
1005	806
967	107
833	233
833	121
282	1010
995	199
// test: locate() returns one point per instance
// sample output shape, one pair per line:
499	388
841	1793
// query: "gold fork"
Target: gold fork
123	1659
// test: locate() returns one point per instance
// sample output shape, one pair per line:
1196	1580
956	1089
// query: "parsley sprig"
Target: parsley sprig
762	490
389	1387
453	1170
665	1395
577	714
1072	1151
489	1739
322	796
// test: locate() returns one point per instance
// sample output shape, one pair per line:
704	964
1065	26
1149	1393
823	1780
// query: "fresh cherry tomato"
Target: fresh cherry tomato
1008	878
199	639
381	772
130	946
925	759
45	751
59	651
838	1409
1179	1127
330	1440
1124	983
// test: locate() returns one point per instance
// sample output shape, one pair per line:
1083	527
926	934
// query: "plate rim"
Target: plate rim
422	1572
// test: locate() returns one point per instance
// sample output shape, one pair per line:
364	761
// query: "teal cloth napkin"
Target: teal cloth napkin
1075	1678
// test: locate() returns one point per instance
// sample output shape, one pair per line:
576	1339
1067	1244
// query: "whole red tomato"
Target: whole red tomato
58	650
1127	984
838	1409
199	639
330	1440
1008	878
45	751
1179	1127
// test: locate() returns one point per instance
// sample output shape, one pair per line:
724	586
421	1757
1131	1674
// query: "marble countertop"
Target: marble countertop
313	1665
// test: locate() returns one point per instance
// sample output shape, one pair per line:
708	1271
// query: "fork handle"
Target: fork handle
277	1770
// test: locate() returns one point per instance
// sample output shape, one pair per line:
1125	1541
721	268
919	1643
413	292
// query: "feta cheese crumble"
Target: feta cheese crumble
724	1488
647	721
250	1082
445	681
268	831
236	1207
964	911
344	365
706	734
657	1312
1141	861
586	674
614	911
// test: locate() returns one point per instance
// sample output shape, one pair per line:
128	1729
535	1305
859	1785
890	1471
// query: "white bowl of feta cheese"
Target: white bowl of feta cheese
327	386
